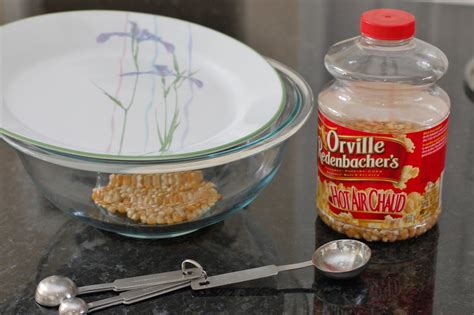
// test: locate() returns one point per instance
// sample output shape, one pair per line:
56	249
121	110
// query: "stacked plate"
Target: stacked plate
128	86
99	94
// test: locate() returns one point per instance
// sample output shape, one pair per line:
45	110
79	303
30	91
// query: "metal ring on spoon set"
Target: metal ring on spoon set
195	264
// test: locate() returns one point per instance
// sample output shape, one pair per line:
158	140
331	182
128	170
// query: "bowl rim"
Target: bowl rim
224	157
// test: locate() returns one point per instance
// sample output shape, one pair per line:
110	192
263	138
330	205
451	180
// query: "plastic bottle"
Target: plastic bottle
382	131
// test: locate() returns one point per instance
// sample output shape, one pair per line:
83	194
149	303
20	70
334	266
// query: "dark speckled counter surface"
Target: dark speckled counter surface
432	274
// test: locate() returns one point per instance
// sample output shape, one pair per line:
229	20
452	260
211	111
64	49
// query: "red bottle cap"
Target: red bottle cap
387	24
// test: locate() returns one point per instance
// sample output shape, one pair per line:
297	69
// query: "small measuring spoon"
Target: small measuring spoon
77	306
52	290
340	259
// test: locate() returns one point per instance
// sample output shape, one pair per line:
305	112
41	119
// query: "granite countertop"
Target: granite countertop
431	274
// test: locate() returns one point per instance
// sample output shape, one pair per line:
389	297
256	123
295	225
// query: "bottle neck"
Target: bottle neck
384	43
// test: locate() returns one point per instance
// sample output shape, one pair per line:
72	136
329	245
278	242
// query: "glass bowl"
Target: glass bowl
192	193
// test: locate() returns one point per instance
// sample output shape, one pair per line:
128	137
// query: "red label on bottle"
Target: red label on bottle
376	177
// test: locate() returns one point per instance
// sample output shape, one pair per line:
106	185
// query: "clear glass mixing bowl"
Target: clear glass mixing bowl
238	174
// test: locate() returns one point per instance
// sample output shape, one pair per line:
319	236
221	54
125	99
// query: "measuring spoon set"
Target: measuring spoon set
340	259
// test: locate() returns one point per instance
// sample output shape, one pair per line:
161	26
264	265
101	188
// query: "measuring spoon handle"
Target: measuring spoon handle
104	303
95	288
295	266
141	281
171	288
157	278
244	275
136	295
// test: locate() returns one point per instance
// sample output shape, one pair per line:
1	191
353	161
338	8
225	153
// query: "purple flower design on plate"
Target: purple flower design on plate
176	75
140	35
165	71
162	70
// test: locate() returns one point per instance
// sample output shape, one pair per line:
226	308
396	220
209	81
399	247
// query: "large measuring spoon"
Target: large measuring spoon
340	259
52	290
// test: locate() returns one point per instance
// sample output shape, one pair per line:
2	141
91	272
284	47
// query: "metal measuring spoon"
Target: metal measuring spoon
340	259
52	290
77	306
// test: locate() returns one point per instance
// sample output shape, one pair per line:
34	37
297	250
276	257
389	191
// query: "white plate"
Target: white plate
120	85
